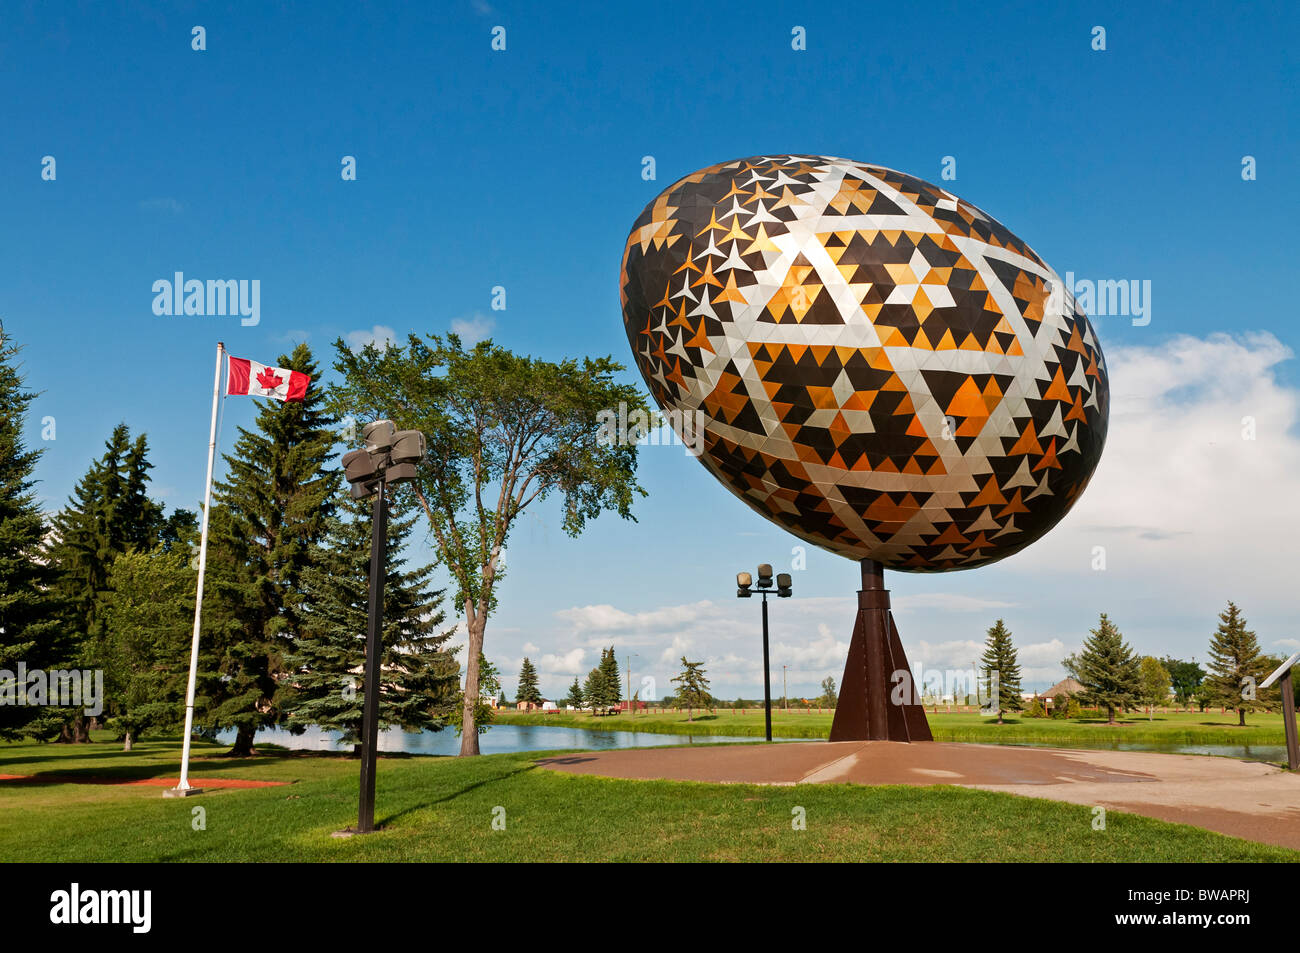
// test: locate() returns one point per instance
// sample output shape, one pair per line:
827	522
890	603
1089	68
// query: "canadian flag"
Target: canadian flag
258	380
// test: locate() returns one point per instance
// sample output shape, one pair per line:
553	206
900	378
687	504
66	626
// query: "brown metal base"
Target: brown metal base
874	705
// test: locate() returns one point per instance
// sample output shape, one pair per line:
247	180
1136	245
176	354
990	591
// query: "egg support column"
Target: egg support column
865	710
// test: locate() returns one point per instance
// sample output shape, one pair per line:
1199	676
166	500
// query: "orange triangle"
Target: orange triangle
1076	412
1028	442
700	339
968	401
1049	458
990	495
860	400
731	292
950	535
1015	506
1057	389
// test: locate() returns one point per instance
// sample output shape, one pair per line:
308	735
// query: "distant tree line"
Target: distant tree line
1116	679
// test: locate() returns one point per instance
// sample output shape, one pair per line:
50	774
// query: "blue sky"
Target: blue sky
522	168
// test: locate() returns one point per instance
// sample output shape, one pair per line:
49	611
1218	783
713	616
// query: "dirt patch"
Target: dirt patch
208	784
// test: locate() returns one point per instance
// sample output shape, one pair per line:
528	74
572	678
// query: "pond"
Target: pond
1275	753
499	739
506	739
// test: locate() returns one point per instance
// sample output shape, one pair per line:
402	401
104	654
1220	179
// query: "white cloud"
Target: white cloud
570	663
824	652
380	336
1183	505
605	619
472	329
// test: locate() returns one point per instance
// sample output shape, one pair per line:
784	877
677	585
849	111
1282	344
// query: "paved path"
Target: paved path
1242	798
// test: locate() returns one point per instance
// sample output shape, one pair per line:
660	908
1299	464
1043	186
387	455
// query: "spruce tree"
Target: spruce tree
270	514
692	687
418	675
1237	665
1107	669
528	690
594	690
574	697
613	680
1000	656
108	514
29	616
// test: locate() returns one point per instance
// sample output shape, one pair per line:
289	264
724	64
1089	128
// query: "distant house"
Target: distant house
1068	687
625	705
543	705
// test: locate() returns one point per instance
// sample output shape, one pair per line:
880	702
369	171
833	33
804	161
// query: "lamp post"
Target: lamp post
745	589
389	457
631	708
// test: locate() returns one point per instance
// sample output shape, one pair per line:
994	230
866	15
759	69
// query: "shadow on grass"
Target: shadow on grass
503	776
125	774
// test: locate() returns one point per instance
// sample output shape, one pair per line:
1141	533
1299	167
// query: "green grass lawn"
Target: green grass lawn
1187	728
443	808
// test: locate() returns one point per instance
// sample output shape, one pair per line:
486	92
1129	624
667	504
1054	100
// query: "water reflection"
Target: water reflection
1244	752
499	739
506	739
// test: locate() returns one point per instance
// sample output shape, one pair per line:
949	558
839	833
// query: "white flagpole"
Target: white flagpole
183	788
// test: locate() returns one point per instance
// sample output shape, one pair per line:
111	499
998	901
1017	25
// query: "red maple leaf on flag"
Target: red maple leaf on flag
268	379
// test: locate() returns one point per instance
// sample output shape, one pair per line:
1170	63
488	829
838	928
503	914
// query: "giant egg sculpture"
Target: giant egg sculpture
880	367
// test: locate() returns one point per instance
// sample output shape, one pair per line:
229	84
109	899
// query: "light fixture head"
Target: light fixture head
408	447
378	436
784	585
744	580
361	491
358	467
765	575
399	473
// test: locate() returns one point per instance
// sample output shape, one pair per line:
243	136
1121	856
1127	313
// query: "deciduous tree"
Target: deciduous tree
504	431
1154	678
